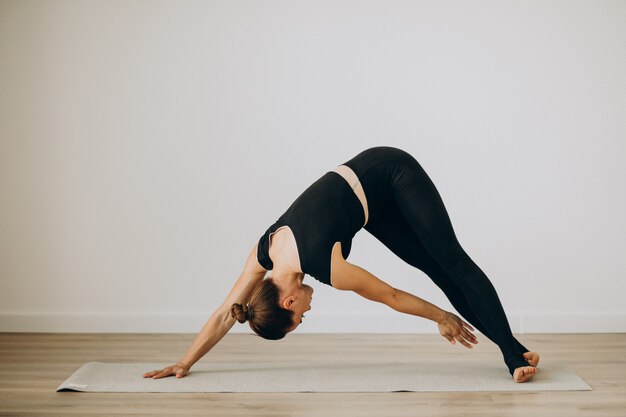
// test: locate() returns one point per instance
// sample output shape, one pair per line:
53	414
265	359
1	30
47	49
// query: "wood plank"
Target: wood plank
33	365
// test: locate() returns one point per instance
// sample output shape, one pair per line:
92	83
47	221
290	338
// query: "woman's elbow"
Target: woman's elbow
390	297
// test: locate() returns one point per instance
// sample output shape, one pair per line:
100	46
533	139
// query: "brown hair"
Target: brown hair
263	312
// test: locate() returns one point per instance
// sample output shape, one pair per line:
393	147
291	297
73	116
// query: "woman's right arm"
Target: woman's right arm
220	321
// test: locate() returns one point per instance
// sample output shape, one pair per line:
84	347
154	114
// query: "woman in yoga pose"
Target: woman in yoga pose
385	191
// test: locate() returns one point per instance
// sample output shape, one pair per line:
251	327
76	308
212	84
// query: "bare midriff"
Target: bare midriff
350	176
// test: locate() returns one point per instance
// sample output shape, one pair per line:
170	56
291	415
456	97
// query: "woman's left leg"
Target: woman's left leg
393	231
421	205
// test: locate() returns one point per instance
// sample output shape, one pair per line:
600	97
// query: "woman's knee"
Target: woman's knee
457	263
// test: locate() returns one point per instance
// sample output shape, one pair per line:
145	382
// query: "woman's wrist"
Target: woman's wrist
184	364
441	316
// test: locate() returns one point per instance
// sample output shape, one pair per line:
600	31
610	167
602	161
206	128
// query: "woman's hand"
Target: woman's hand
453	328
179	369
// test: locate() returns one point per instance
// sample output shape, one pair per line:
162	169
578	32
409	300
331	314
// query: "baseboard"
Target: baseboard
314	323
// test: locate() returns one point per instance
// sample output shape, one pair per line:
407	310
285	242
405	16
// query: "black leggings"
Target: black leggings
414	224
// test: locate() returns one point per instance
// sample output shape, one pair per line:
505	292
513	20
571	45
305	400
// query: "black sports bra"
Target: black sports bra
328	211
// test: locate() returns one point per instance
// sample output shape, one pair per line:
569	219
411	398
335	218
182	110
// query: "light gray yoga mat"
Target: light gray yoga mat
328	377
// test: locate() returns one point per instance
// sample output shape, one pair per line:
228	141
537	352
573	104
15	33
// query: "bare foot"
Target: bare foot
532	358
524	373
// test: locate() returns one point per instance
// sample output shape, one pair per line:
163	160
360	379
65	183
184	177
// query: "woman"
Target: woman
385	191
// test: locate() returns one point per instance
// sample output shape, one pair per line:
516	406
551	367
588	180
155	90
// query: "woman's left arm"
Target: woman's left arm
347	276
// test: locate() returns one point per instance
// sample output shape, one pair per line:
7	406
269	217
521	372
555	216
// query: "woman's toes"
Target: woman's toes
523	374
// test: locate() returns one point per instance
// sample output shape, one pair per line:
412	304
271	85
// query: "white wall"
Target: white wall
145	146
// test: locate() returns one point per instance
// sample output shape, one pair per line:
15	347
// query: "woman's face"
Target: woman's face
301	304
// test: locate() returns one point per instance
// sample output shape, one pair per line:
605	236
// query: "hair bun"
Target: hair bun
241	312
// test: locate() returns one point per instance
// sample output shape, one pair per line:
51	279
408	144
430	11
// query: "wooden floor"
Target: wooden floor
33	365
